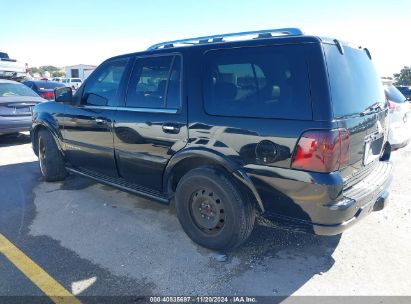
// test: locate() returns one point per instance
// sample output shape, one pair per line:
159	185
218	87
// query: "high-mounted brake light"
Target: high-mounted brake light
322	150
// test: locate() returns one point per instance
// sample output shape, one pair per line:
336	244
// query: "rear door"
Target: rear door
152	124
88	126
358	103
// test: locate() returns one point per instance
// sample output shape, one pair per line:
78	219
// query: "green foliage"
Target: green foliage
404	77
57	74
54	71
33	70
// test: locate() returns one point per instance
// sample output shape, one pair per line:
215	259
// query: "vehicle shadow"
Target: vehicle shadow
8	140
142	240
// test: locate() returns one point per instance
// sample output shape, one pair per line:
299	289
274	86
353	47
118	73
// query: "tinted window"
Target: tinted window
76	80
267	82
155	83
354	82
393	94
15	89
404	90
4	55
104	83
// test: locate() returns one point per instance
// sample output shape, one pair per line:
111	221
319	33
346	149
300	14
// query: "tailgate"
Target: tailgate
12	66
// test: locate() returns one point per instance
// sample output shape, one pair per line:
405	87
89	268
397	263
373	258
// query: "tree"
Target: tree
58	74
404	77
34	70
48	68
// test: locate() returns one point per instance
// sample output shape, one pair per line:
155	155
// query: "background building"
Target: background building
81	71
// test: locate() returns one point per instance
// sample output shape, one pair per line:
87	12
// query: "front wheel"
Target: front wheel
212	210
50	159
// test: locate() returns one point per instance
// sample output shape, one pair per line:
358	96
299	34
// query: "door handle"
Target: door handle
171	128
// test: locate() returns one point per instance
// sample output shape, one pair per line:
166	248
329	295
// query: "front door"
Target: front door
152	124
88	126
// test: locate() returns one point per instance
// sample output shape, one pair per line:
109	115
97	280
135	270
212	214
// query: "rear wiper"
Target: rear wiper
372	108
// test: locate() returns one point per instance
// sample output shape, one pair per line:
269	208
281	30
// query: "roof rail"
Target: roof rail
220	38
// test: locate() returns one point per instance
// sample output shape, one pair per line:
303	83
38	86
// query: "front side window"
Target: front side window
262	82
102	87
155	83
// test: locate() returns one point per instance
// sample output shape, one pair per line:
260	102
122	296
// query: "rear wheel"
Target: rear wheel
212	210
50	159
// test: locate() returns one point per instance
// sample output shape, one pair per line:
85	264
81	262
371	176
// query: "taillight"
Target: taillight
393	106
47	95
322	150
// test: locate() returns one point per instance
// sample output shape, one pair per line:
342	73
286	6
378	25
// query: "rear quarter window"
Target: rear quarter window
393	94
353	79
261	82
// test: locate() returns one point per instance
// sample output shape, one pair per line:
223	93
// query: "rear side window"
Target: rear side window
263	82
354	82
393	94
155	83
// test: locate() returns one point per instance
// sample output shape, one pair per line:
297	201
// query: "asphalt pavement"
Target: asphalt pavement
96	240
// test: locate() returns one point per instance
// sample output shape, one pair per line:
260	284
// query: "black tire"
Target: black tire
212	210
50	159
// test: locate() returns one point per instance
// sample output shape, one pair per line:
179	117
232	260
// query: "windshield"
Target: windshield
393	94
15	89
354	82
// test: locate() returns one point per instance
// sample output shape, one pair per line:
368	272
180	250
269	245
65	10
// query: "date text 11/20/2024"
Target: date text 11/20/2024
203	299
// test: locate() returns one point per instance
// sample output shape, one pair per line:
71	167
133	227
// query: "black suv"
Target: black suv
282	127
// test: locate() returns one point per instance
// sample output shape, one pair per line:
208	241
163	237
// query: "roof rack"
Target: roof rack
220	38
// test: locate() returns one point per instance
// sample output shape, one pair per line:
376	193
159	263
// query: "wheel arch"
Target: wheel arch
45	125
189	159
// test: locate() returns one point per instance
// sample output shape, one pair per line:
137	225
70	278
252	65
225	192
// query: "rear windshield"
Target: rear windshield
76	80
394	94
49	85
354	81
15	89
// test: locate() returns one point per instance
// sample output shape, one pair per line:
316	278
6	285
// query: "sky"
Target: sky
61	33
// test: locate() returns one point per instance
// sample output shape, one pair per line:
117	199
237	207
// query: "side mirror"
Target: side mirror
63	95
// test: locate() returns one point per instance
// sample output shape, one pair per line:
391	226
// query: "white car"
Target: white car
11	68
399	134
74	83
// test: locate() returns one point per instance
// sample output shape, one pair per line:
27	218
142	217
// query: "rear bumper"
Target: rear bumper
317	213
13	125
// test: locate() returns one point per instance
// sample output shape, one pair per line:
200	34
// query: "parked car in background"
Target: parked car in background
406	91
44	88
16	102
57	79
399	133
279	125
11	68
73	83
